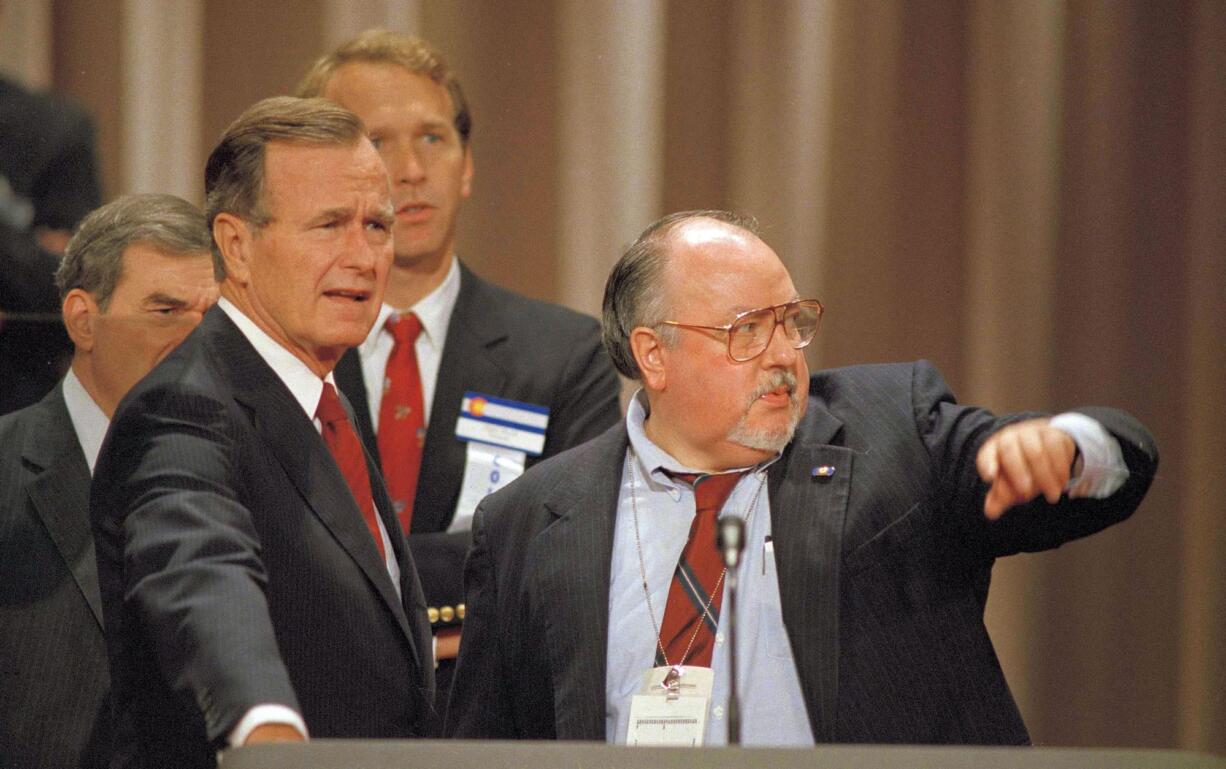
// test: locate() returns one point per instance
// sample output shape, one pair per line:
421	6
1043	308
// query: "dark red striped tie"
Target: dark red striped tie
691	616
342	441
402	418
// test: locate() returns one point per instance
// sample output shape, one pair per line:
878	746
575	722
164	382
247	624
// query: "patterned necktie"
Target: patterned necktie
346	449
402	419
687	633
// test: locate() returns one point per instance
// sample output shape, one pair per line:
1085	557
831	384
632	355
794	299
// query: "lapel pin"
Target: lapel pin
823	471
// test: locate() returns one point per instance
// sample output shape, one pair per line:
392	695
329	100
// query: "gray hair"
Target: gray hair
93	260
634	292
234	173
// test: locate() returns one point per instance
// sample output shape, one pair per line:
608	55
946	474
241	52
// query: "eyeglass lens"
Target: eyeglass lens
751	332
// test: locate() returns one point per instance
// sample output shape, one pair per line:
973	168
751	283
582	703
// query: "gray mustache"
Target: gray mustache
776	379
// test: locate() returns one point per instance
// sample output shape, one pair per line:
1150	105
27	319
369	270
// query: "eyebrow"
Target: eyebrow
435	125
158	298
329	214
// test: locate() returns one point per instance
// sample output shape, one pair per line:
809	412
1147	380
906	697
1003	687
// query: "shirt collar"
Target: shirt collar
88	420
303	384
433	310
655	463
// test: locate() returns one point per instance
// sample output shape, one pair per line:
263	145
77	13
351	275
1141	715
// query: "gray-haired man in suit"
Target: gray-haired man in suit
476	339
135	279
874	507
255	585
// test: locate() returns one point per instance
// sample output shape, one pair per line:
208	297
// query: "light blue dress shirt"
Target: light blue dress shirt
772	705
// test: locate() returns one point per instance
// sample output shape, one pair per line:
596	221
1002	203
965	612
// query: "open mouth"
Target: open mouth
778	395
353	295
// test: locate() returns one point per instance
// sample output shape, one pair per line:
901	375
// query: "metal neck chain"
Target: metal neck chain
638	545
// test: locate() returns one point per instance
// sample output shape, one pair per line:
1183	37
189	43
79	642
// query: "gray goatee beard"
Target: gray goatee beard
769	439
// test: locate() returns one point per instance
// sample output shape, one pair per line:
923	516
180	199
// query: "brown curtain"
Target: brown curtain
1028	192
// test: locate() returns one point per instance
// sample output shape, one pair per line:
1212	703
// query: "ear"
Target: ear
649	354
466	180
233	238
80	313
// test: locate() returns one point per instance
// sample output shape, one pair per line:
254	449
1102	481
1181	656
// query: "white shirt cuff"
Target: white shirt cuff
265	714
1100	470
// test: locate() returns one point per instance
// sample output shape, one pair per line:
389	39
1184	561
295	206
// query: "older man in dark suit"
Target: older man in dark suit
135	279
254	582
471	339
873	504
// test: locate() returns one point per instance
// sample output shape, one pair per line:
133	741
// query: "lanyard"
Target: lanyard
638	544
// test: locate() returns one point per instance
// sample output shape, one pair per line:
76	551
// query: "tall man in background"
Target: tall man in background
254	581
134	280
874	508
431	381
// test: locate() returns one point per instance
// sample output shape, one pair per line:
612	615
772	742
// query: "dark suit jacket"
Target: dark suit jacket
506	345
883	571
236	568
54	682
47	157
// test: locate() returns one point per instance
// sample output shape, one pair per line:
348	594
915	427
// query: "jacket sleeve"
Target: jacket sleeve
953	435
179	557
480	704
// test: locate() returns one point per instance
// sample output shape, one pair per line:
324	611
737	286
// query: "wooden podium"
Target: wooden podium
443	754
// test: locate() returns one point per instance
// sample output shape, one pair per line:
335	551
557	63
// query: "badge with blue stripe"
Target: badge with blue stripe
502	422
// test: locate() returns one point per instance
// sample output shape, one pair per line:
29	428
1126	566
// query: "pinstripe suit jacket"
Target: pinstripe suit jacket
54	682
883	571
235	567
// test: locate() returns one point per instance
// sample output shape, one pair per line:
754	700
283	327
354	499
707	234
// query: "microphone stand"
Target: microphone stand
731	542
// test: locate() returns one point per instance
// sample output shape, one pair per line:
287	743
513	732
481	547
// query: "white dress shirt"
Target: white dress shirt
434	312
88	420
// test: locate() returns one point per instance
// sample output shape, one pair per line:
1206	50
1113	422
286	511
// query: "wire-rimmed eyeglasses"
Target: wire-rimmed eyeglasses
750	332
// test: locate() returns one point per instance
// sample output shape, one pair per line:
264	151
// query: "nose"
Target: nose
779	351
362	249
406	167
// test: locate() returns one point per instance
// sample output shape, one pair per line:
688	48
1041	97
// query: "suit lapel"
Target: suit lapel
291	437
807	513
467	365
60	493
572	559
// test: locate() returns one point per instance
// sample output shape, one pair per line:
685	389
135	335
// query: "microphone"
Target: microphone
731	539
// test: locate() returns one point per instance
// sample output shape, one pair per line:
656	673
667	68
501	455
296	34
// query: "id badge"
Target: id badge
487	469
501	435
672	708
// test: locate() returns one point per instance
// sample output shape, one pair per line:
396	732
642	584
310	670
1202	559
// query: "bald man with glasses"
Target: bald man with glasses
873	507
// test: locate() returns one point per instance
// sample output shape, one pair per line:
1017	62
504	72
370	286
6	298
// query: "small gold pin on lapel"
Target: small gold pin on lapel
823	471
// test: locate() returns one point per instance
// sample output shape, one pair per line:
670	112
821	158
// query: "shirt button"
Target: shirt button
718	712
719	638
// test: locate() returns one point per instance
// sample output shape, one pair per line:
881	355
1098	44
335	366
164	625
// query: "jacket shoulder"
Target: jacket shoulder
571	473
517	312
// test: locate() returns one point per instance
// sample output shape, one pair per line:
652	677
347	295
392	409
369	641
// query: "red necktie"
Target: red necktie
687	632
342	441
402	418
